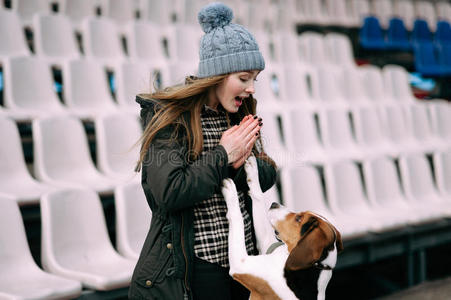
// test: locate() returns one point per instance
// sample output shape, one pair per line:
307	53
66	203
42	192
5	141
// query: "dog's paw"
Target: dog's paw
228	189
253	182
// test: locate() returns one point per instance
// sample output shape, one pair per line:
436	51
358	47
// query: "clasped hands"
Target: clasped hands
239	140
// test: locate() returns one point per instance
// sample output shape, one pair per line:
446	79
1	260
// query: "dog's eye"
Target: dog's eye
298	218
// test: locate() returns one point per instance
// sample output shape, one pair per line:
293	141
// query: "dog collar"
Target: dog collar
273	247
320	266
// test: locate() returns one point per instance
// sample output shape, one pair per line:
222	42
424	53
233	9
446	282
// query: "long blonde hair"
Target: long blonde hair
190	97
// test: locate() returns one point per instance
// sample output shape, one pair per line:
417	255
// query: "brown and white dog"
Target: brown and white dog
301	267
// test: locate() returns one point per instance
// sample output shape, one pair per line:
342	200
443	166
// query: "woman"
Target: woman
196	135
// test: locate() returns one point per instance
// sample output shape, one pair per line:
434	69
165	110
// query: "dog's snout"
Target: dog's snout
275	205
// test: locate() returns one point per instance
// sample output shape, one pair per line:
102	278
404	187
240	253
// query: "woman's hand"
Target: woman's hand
239	140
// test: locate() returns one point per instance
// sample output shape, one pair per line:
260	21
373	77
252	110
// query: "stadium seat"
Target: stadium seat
86	90
397	84
444	57
299	85
146	43
161	12
442	172
404	9
287	48
102	41
426	10
29	88
20	277
78	10
417	179
15	180
340	49
55	39
373	85
337	136
346	195
421	32
75	241
184	43
27	9
329	87
12	36
427	61
136	78
440	113
268	87
443	33
133	217
61	155
350	82
443	10
313	48
339	14
384	189
117	147
120	11
314	13
383	11
302	191
359	10
397	35
371	36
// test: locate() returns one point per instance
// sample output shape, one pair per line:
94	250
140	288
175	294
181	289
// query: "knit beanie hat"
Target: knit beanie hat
226	47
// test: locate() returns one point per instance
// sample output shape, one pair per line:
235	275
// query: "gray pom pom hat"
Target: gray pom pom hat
226	47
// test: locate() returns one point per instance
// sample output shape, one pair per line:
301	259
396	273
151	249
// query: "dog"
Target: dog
301	267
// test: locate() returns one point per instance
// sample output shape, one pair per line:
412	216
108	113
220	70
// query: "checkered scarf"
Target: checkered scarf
211	228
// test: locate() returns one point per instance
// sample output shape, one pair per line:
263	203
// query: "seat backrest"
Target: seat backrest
425	54
417	175
336	128
299	84
302	135
73	222
146	42
443	33
396	81
184	42
405	10
368	126
78	10
15	254
419	118
60	147
101	39
426	10
29	84
12	35
12	164
442	170
340	49
373	84
86	85
350	82
443	10
421	32
383	9
441	113
271	132
397	31
396	125
371	29
330	90
27	9
133	217
133	79
444	55
121	11
55	37
116	137
313	48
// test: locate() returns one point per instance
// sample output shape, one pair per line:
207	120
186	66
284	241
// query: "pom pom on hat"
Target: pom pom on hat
214	15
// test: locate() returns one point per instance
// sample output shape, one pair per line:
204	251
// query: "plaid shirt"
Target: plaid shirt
211	228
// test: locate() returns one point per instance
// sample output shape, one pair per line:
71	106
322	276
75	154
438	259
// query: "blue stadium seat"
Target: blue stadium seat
444	57
443	33
421	32
426	59
371	34
397	36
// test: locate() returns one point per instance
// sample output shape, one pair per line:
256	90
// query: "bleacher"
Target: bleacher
355	134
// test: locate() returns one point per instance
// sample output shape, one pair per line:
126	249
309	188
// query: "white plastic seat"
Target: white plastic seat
383	10
346	196
314	12
146	43
442	171
54	38
29	88
20	277
162	12
383	186
369	133
86	90
337	135
340	49
330	90
136	78
15	179
270	88
443	10
75	241
349	80
374	86
11	34
339	14
405	10
120	11
78	10
287	46
426	10
300	87
313	48
27	9
419	185
117	149
61	155
184	42
133	217
441	120
359	9
102	41
302	191
396	81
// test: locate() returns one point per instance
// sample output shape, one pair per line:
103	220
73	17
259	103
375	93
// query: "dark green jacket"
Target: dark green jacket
172	186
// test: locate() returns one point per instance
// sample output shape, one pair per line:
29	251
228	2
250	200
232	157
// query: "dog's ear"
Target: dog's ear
338	240
309	247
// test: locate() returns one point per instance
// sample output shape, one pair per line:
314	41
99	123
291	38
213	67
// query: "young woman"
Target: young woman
196	135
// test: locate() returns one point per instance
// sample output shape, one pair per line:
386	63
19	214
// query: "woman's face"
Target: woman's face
236	88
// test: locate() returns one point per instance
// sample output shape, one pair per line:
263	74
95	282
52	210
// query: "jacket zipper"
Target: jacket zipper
185	295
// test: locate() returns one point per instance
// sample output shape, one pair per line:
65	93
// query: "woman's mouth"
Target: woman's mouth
238	101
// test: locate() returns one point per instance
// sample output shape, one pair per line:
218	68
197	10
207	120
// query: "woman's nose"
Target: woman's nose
250	88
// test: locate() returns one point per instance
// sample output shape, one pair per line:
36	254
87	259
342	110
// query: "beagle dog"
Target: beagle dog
301	267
